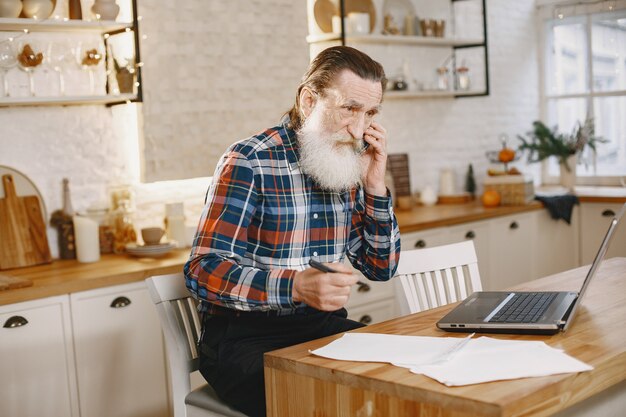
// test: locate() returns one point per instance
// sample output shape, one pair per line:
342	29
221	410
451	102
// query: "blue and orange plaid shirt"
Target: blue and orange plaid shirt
264	219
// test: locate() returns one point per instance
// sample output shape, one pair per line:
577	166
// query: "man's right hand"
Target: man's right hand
325	291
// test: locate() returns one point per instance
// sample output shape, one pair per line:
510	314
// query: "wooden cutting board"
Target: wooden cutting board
9	283
23	240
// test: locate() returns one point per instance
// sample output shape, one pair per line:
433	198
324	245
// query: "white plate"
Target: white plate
150	250
23	187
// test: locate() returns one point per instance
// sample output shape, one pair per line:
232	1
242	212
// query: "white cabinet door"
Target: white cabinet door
119	353
595	220
555	244
37	373
479	233
511	255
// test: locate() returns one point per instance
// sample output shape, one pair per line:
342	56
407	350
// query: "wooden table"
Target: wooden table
300	384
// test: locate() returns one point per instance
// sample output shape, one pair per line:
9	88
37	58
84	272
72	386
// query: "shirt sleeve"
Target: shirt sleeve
374	243
214	271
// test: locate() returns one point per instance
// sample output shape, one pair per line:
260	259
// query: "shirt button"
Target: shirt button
315	216
314	253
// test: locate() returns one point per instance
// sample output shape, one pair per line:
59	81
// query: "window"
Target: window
584	74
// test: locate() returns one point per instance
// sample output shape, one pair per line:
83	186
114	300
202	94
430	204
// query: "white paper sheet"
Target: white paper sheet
483	359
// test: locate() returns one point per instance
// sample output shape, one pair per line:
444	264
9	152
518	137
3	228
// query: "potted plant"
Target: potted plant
543	142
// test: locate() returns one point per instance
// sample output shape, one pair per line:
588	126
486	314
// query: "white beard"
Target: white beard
334	166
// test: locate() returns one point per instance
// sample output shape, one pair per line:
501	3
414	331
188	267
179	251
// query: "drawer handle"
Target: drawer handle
15	321
420	244
470	235
366	319
363	287
608	213
514	225
120	302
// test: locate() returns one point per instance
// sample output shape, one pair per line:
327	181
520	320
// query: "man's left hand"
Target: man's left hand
375	160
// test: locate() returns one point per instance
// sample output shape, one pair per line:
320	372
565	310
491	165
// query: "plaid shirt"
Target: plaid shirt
264	219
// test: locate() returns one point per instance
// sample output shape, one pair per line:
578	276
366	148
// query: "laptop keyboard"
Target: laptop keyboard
524	307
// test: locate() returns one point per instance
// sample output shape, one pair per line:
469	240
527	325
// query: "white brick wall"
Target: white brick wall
215	48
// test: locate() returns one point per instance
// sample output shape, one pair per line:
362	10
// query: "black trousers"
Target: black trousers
232	347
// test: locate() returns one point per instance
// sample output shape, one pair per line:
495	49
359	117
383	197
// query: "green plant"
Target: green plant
543	142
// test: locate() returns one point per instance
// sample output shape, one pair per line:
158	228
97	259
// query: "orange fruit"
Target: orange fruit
490	198
506	155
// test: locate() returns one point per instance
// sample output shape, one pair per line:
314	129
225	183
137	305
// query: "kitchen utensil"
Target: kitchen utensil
8	282
23	239
23	186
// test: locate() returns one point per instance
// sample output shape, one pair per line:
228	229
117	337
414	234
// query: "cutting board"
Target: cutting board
9	283
23	240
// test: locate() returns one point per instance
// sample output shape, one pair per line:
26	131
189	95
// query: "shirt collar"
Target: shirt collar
290	143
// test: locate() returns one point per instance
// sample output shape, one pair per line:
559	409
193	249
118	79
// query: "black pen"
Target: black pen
321	267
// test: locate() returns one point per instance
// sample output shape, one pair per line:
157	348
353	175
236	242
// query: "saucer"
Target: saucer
150	250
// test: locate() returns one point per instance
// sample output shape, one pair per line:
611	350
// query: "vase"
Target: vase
568	173
39	9
10	8
106	9
75	10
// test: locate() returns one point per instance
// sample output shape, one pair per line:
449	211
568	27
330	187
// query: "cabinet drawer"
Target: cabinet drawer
370	291
424	239
373	312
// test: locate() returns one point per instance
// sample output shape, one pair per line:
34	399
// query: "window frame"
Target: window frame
546	22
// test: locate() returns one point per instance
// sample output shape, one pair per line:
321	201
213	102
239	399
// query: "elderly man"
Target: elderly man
310	188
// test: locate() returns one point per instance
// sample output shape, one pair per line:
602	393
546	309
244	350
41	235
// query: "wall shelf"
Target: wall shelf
431	94
397	40
61	25
67	100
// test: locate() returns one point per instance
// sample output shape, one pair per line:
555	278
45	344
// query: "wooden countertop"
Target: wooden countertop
68	276
63	277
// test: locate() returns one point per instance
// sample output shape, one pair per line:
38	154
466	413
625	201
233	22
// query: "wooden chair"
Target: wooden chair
433	277
181	328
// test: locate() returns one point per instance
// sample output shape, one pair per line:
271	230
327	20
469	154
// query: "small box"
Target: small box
514	190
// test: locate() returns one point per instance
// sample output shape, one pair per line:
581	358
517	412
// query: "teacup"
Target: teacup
152	235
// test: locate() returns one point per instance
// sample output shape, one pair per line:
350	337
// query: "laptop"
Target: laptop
524	312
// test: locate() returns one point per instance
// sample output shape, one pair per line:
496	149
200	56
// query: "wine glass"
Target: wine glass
89	56
59	56
8	60
29	57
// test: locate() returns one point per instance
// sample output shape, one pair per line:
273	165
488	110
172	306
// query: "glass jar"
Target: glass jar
123	228
462	79
443	82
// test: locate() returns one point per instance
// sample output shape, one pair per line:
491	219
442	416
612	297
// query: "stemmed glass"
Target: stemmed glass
60	55
8	60
29	57
89	56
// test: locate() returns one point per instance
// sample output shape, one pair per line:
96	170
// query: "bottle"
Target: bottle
63	221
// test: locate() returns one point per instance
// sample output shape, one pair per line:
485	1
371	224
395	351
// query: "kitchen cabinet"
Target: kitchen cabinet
37	371
372	301
479	233
555	244
511	261
120	358
15	28
594	222
413	58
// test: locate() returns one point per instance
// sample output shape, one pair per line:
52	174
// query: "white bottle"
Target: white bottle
175	223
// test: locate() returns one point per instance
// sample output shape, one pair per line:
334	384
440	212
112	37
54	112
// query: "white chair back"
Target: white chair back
181	329
433	277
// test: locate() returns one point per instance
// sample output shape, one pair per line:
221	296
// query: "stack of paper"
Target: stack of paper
455	361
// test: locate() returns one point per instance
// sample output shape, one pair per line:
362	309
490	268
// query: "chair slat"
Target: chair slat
432	277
